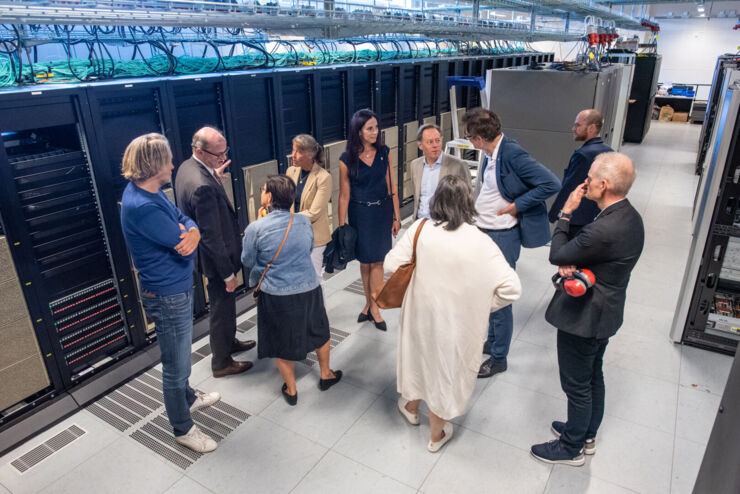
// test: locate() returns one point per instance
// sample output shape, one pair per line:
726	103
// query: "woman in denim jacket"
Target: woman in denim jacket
291	318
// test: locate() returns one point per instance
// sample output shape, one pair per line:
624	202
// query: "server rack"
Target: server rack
724	63
644	87
85	129
708	312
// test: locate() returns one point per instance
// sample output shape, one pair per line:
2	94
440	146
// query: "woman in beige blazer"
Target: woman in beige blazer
313	191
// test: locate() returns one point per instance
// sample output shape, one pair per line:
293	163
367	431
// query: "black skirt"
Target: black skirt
290	326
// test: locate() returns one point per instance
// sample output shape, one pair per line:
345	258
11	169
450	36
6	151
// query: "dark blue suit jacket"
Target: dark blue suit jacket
574	176
527	183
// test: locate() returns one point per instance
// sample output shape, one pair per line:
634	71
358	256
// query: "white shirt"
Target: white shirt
490	201
213	174
429	181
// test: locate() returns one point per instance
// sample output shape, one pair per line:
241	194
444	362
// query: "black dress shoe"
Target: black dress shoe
236	367
325	384
242	346
491	367
291	399
380	325
363	317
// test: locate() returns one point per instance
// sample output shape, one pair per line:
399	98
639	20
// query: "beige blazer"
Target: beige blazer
450	166
315	201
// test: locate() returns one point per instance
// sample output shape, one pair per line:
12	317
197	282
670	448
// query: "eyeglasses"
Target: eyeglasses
217	155
468	136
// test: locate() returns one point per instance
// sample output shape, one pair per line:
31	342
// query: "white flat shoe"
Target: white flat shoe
433	447
412	418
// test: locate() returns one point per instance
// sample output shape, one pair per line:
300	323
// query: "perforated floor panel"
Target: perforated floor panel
46	449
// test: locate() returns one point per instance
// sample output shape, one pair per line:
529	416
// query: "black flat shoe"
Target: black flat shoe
363	317
291	399
325	384
380	324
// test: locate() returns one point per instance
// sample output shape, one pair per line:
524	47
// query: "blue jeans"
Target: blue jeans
501	322
173	319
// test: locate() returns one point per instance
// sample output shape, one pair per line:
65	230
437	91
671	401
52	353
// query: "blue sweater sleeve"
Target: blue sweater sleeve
154	223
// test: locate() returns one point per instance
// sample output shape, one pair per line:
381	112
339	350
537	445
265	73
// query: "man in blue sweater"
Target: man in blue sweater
586	129
162	242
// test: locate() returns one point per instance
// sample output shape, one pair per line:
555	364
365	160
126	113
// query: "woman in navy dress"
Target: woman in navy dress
367	194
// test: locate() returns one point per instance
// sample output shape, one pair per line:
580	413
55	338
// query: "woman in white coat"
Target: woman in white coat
461	276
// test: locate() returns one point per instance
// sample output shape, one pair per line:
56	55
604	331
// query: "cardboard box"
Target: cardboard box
666	114
680	116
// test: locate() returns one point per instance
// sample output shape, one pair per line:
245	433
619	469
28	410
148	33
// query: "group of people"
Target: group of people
466	240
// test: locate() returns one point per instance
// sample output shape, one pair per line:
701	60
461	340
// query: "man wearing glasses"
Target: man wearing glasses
510	192
200	192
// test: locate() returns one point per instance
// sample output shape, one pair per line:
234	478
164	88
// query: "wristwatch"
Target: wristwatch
564	216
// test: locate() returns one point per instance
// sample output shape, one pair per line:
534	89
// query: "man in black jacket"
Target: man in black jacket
610	247
200	192
586	129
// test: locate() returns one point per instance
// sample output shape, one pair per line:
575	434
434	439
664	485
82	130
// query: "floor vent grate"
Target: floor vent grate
130	403
336	337
218	421
43	451
200	353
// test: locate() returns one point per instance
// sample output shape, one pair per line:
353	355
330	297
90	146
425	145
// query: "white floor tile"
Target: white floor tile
569	480
533	367
187	485
687	457
322	416
383	440
514	415
697	411
337	474
704	370
641	399
367	363
538	331
472	462
97	437
124	466
632	456
644	353
259	457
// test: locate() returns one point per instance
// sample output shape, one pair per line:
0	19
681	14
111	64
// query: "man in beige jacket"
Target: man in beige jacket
432	166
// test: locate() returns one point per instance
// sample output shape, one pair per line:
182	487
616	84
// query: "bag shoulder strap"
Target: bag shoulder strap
269	264
416	238
388	173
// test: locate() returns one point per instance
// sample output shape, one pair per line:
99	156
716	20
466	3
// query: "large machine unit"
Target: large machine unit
642	96
71	323
708	311
538	107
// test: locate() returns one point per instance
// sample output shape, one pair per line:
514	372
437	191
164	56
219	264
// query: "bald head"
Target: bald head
617	170
209	146
587	125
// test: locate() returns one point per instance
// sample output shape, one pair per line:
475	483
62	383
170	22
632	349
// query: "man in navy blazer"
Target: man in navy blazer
510	192
586	129
609	246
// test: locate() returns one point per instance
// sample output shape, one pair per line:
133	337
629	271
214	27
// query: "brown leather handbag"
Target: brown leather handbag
256	291
390	295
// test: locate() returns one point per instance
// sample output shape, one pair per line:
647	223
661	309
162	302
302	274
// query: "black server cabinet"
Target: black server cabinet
77	290
387	95
712	320
644	87
361	90
428	94
444	69
252	119
330	103
295	115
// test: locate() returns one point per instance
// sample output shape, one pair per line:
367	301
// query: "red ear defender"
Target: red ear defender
583	279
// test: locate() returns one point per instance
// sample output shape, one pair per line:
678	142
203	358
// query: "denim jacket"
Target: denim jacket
293	272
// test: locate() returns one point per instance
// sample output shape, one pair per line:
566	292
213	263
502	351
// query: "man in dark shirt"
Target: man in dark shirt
586	129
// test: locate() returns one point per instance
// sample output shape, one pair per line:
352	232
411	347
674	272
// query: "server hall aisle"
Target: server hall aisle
661	398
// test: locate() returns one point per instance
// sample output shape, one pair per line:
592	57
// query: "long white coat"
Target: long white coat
460	277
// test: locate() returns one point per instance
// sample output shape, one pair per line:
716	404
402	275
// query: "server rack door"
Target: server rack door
714	315
428	90
443	94
52	208
387	96
475	68
295	115
331	105
361	90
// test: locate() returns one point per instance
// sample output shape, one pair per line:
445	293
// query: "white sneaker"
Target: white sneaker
196	440
433	447
203	400
413	418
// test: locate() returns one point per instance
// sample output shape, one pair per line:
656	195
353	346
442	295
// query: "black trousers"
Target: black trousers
222	319
582	379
